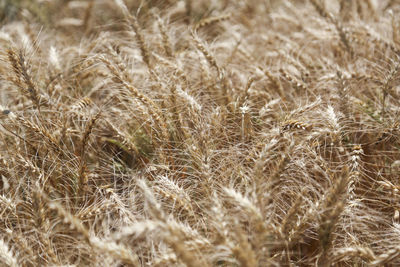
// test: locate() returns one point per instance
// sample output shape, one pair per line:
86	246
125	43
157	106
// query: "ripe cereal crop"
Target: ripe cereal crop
200	133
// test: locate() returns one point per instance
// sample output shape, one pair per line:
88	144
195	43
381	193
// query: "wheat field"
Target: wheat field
200	133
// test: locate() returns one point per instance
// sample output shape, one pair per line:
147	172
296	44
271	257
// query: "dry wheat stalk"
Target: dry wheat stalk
134	25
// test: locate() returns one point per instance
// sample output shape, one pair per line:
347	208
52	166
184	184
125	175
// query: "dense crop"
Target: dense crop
200	133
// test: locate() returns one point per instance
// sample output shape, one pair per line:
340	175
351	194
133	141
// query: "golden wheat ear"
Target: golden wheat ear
23	79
